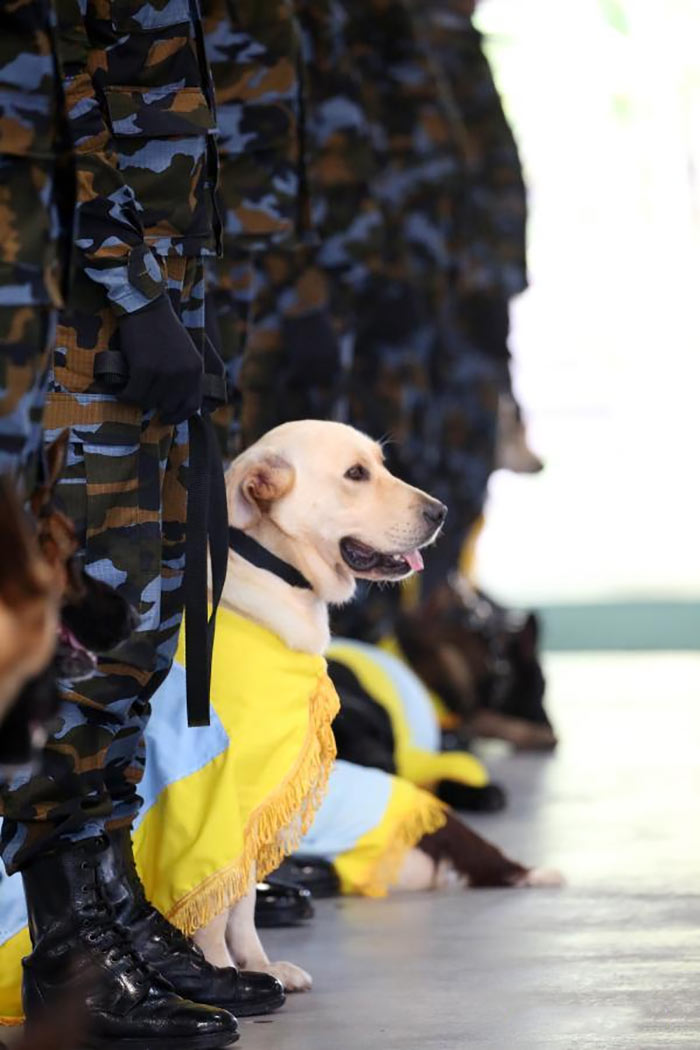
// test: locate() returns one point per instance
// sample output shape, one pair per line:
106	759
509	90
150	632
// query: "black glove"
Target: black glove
165	368
312	351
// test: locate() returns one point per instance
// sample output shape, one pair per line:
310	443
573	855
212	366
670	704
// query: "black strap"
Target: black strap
256	554
207	522
214	389
206	534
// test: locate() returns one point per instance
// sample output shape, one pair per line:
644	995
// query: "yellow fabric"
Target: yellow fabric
251	804
374	863
11	955
446	719
467	558
175	846
421	767
277	707
410	593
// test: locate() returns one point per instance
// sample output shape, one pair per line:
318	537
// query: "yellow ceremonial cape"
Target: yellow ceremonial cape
250	803
373	864
277	706
416	764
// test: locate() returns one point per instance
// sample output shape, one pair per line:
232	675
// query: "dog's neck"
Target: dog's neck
296	615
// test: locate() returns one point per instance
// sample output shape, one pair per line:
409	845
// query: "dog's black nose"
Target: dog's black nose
435	513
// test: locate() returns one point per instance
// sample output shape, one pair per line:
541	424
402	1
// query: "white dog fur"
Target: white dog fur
299	491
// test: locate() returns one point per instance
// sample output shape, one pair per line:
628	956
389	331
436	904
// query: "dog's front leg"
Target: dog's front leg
211	940
247	950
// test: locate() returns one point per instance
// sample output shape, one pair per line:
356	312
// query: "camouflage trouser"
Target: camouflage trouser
459	433
231	291
272	309
26	337
125	487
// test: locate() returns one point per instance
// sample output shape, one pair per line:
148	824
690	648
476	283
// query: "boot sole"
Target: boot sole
257	1010
211	1042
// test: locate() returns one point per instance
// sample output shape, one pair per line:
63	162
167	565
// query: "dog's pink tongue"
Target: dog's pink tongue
415	560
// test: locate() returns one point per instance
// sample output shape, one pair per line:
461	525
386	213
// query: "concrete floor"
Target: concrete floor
610	962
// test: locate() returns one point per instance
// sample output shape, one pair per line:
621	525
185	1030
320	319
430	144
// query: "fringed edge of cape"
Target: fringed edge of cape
275	829
427	817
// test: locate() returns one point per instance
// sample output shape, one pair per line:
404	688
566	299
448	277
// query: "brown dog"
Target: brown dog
482	661
53	615
30	597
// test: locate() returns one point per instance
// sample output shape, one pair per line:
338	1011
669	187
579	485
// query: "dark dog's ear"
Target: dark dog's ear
22	573
56	458
54	461
254	482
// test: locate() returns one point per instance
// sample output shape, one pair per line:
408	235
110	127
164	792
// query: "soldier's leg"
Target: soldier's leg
230	296
171	955
26	336
112	488
291	363
125	760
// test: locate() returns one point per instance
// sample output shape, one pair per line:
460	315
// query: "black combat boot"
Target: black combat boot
77	942
174	956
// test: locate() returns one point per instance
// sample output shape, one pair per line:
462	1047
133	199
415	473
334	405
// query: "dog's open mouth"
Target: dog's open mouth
366	561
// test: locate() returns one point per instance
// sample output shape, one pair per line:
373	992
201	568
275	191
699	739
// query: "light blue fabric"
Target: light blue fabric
417	705
356	801
173	750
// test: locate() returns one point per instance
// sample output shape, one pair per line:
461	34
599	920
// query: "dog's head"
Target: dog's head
29	601
475	653
513	451
319	495
42	585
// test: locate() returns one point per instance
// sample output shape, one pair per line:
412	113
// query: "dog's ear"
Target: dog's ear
54	460
253	484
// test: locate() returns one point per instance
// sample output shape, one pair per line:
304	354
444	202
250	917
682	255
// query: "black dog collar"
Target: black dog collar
256	554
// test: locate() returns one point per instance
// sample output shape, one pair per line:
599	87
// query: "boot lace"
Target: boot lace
102	932
170	935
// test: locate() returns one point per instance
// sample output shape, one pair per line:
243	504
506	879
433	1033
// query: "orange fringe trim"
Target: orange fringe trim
275	829
408	830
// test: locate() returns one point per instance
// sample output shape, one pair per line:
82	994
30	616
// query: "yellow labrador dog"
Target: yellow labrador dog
318	496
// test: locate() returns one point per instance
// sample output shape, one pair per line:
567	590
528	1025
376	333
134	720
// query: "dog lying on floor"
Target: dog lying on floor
482	661
314	509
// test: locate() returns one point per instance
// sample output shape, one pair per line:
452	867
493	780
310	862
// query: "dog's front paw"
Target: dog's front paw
542	877
292	977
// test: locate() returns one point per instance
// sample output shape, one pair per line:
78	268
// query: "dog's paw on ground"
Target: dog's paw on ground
292	977
542	877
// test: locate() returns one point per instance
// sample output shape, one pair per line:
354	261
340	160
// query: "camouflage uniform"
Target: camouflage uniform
141	119
420	372
488	259
414	174
491	251
32	190
341	159
270	296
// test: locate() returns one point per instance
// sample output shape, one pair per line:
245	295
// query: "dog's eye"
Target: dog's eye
357	473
